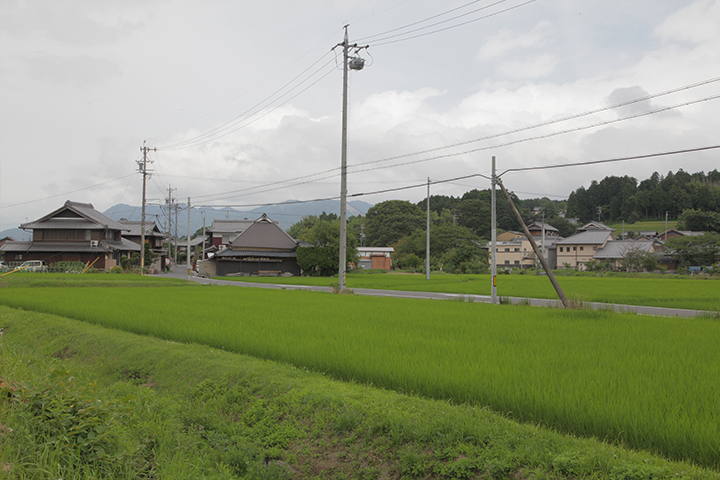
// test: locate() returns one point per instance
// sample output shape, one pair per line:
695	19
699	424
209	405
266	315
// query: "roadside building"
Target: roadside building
375	258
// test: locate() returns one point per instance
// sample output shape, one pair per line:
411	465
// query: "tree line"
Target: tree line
614	199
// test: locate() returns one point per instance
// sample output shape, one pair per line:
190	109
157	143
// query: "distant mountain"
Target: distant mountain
286	214
17	234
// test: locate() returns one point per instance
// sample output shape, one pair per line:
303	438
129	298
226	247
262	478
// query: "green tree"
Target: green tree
695	250
389	221
699	221
324	236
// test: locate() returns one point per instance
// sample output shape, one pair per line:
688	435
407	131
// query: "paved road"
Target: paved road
537	302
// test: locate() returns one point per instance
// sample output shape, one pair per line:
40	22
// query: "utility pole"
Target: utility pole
169	222
176	230
427	239
189	252
357	64
143	169
493	237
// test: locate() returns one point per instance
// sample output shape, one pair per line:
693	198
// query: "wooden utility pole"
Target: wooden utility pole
493	238
143	169
538	253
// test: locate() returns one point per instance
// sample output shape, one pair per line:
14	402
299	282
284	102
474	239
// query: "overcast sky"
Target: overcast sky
83	83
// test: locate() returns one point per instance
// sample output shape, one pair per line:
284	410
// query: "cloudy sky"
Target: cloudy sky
243	100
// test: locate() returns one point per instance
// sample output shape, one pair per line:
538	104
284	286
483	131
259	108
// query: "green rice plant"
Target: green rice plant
646	382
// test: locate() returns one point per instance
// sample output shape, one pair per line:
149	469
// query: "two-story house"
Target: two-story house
73	232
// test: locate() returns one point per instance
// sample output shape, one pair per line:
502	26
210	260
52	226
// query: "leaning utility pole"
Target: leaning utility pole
538	254
357	64
493	238
143	169
427	238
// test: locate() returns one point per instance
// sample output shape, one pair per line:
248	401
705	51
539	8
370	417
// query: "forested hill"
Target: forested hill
614	199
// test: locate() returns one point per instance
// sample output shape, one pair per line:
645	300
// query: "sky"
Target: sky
241	102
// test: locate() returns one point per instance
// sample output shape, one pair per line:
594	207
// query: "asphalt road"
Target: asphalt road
181	273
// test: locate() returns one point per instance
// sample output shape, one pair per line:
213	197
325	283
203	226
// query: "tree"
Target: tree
695	250
636	259
389	221
699	221
324	236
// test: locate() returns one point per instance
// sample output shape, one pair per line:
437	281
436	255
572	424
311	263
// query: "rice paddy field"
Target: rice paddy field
645	382
696	293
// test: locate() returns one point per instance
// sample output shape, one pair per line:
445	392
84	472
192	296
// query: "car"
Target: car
33	266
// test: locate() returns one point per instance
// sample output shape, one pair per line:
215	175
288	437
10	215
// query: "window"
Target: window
561	249
517	249
507	249
595	248
18	256
507	262
582	248
517	262
574	249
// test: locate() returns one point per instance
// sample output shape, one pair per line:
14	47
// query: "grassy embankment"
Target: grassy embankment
81	401
641	381
697	293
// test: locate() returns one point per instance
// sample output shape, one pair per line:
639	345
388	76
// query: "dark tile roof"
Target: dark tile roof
77	216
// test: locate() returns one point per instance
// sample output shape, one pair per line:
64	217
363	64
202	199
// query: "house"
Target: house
594	226
3	241
507	236
223	232
153	237
578	249
536	229
615	252
518	252
375	258
263	248
73	232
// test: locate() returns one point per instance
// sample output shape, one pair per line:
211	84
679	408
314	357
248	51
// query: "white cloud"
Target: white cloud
695	23
534	67
505	41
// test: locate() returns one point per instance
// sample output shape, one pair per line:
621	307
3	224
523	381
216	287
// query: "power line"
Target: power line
284	183
232	125
527	139
475	175
552	122
621	159
66	193
379	43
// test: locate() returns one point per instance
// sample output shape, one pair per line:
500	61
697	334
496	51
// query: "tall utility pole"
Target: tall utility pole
143	169
169	222
189	252
427	239
357	64
493	238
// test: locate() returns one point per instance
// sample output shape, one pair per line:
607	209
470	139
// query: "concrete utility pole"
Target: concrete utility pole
427	240
538	254
357	64
189	252
493	237
143	169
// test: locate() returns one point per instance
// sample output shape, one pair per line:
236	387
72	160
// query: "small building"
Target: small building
375	258
74	232
261	249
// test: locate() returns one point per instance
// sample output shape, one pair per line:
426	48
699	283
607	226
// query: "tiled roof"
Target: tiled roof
590	237
104	246
134	228
85	217
618	248
229	226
